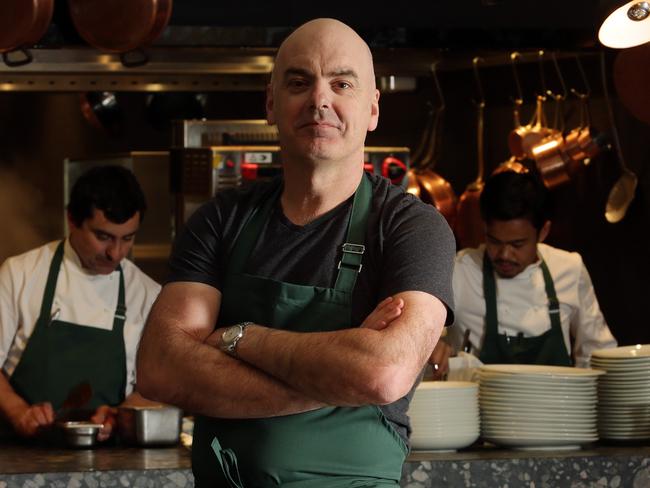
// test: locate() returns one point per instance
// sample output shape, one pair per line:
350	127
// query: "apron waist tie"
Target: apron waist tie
228	462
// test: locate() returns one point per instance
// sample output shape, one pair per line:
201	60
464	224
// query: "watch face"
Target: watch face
231	333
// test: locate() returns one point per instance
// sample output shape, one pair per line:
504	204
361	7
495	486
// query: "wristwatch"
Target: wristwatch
231	337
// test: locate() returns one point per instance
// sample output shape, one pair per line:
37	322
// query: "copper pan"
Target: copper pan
413	186
523	138
512	164
23	23
120	26
469	224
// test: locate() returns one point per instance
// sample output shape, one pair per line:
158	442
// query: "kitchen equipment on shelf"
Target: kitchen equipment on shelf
444	415
22	24
469	224
622	193
151	425
538	407
623	392
120	26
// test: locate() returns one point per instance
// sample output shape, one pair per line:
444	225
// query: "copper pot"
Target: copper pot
23	23
512	164
522	139
120	26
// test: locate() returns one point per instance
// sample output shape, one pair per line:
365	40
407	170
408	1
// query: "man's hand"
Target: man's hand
384	313
439	359
31	420
107	416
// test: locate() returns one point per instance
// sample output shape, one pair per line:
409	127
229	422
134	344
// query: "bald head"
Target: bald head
326	36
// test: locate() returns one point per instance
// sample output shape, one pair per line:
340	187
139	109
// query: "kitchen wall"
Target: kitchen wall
39	130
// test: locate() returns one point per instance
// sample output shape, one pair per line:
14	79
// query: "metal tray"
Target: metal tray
146	426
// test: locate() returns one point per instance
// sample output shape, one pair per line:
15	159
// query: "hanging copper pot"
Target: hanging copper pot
469	224
23	23
120	26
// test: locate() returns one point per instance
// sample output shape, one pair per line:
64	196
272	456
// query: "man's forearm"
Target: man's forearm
11	404
353	366
201	379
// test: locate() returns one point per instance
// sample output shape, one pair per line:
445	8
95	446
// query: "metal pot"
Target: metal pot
121	26
23	23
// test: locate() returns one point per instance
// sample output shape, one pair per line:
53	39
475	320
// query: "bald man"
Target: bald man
299	313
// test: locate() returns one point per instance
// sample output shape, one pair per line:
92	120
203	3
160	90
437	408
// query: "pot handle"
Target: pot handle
385	168
13	63
133	59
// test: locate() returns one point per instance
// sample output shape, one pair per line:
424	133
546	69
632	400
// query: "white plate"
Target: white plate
550	442
624	352
538	388
559	372
448	442
447	385
579	424
538	397
488	406
544	430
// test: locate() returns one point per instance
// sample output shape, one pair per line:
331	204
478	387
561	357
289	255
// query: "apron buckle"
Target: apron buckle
354	248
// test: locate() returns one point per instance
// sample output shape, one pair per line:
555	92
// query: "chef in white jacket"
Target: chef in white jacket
72	311
523	301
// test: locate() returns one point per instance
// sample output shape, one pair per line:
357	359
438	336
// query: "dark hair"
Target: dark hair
510	195
111	189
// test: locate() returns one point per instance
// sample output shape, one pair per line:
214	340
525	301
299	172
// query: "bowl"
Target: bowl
80	434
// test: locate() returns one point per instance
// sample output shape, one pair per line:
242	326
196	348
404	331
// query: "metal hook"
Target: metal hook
542	78
559	75
514	57
434	72
586	93
479	86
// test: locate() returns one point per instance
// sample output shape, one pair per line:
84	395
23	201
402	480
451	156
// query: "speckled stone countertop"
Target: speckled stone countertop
598	467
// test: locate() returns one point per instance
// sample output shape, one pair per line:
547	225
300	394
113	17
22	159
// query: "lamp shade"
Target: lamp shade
627	26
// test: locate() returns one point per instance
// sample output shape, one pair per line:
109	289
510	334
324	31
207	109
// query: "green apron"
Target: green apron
548	348
329	447
60	355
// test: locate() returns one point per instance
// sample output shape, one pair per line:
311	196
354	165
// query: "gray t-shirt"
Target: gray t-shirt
409	247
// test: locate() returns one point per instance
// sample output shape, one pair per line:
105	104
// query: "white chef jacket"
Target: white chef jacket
81	298
522	303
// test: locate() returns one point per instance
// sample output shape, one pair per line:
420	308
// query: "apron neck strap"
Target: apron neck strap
50	287
353	248
490	294
50	284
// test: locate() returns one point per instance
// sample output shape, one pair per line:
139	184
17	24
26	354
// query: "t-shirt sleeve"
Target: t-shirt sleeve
196	250
419	250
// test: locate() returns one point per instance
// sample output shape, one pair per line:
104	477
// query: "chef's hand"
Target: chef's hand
31	420
384	313
439	359
105	415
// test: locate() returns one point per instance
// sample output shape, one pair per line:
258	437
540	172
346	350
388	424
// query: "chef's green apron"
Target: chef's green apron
329	447
61	355
548	348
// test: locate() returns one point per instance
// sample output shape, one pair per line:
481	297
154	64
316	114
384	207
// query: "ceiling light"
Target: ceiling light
627	26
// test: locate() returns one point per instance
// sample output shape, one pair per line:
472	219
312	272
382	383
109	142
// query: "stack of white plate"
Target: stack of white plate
444	415
538	407
624	392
